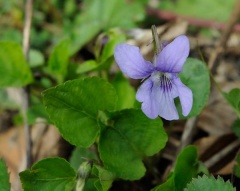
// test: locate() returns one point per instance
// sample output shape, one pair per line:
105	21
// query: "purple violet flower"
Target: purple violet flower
162	85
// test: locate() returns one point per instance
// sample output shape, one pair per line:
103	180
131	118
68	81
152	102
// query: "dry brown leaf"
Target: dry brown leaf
47	142
12	146
218	116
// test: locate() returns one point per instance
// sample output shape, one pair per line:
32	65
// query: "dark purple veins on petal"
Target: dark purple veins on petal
165	83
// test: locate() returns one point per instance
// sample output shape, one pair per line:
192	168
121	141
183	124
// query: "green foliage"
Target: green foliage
80	155
4	177
126	93
103	51
14	70
87	66
209	184
36	58
105	178
106	44
5	6
89	186
100	180
74	107
233	98
51	174
11	34
197	8
58	60
102	15
185	169
187	161
236	169
69	7
166	186
36	111
130	137
41	38
236	127
195	75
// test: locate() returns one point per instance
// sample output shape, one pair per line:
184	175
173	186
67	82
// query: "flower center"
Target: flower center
163	79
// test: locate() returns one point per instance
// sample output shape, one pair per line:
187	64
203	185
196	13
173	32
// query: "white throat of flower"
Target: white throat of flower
163	79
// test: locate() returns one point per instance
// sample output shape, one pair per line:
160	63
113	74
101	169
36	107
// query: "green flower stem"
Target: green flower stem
157	47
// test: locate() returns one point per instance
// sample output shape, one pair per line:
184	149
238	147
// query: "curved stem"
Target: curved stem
157	48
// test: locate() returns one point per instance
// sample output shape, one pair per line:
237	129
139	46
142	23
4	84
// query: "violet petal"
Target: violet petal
185	96
150	105
156	101
167	108
174	55
131	62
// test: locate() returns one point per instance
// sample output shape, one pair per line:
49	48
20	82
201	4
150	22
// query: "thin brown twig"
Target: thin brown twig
218	156
25	95
189	130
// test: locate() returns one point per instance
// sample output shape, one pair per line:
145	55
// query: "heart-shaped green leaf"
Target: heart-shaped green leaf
74	107
195	75
131	137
